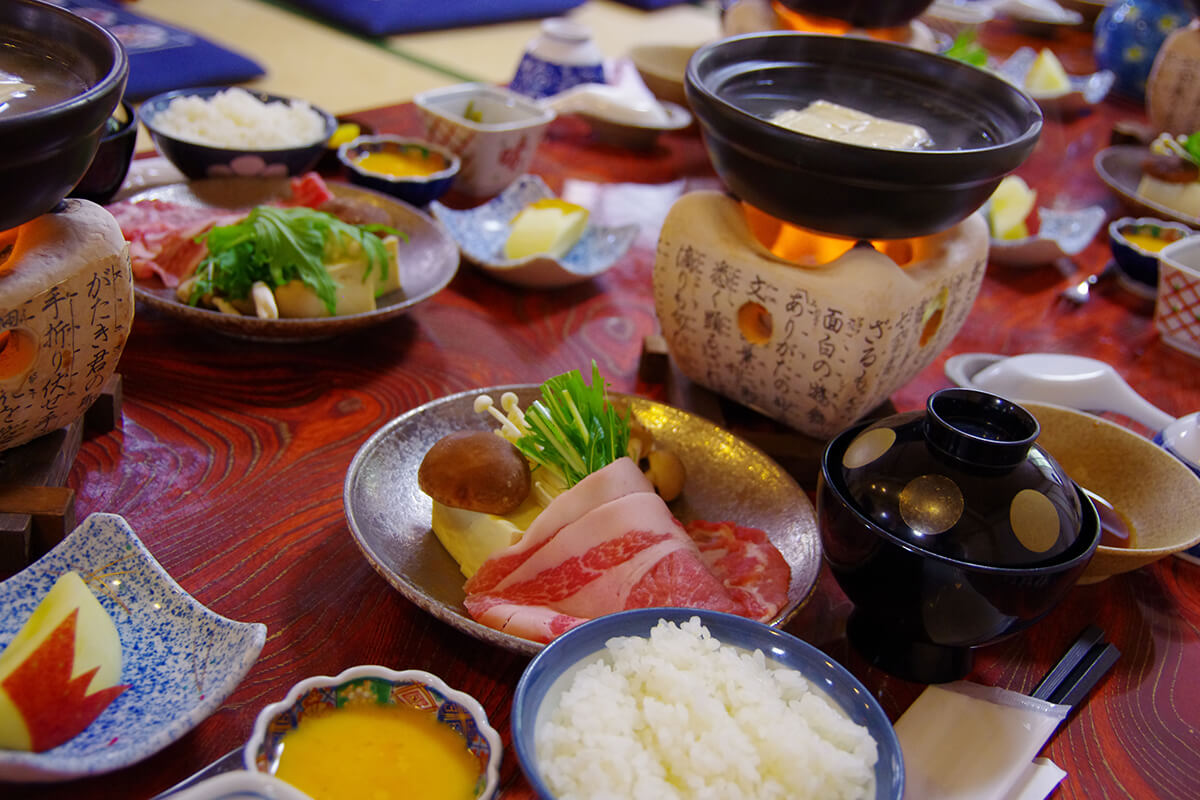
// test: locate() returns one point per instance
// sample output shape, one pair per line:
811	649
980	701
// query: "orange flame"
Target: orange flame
811	23
810	248
55	706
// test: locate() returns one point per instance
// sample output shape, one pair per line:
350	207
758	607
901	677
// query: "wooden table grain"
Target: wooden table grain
232	455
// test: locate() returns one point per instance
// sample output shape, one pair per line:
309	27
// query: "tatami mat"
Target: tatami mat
302	58
491	52
341	72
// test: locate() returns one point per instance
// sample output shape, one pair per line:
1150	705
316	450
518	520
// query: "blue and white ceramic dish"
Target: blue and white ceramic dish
375	685
562	55
205	161
417	190
1085	90
180	660
481	232
540	684
1060	234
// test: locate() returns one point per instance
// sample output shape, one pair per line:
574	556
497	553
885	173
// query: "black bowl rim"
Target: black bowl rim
132	122
1090	523
117	74
518	717
1027	138
147	111
453	162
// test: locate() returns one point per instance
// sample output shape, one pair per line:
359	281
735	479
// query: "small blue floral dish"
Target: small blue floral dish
180	660
482	231
1136	243
378	686
681	636
412	170
196	159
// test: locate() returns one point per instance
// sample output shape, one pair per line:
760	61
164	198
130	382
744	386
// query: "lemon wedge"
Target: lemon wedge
549	226
1047	75
1008	207
344	132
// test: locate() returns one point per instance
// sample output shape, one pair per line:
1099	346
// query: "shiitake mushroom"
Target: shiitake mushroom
476	471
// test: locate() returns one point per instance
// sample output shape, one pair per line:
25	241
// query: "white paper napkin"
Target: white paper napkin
970	742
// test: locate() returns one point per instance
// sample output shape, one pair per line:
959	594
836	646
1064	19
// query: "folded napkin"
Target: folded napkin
970	742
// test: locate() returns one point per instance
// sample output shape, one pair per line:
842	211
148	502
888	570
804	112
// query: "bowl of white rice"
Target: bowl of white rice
677	703
217	131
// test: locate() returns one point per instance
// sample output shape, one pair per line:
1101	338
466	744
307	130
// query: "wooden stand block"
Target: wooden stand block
37	509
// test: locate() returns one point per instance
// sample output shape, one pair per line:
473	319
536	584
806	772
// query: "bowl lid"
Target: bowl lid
963	479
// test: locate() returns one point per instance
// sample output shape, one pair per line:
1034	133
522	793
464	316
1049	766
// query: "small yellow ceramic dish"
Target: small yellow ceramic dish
1153	492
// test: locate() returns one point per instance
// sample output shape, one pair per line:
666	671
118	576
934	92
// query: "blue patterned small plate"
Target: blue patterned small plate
1061	234
180	660
481	232
378	686
1085	91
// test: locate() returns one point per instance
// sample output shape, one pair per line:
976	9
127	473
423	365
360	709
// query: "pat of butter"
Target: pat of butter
549	226
841	124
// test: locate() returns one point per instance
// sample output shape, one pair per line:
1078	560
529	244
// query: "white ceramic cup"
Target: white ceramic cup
1177	307
494	150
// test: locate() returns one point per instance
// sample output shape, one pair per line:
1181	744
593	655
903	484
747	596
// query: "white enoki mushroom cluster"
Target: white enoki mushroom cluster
1173	145
546	484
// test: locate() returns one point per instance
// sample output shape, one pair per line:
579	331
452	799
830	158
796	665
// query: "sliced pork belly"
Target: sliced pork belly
752	569
618	479
613	545
162	234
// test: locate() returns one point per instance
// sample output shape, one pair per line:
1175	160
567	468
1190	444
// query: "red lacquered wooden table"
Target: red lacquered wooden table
231	460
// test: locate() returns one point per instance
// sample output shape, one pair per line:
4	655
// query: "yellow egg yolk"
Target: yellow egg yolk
1146	241
403	164
373	752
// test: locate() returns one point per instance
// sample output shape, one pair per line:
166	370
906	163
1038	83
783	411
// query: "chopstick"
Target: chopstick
1079	670
1085	677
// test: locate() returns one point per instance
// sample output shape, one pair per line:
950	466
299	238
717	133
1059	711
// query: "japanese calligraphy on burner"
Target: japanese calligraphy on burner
66	306
814	348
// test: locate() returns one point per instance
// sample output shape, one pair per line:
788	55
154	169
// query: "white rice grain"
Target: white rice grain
679	716
235	118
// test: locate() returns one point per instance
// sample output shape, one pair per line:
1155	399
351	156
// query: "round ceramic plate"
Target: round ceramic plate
1120	167
428	260
727	479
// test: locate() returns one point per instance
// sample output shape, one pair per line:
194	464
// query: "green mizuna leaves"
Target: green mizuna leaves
279	244
574	430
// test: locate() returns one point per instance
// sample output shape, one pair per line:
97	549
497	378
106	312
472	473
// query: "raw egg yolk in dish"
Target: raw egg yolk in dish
378	752
403	163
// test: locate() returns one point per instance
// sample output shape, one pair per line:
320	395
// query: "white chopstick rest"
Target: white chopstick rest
965	741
